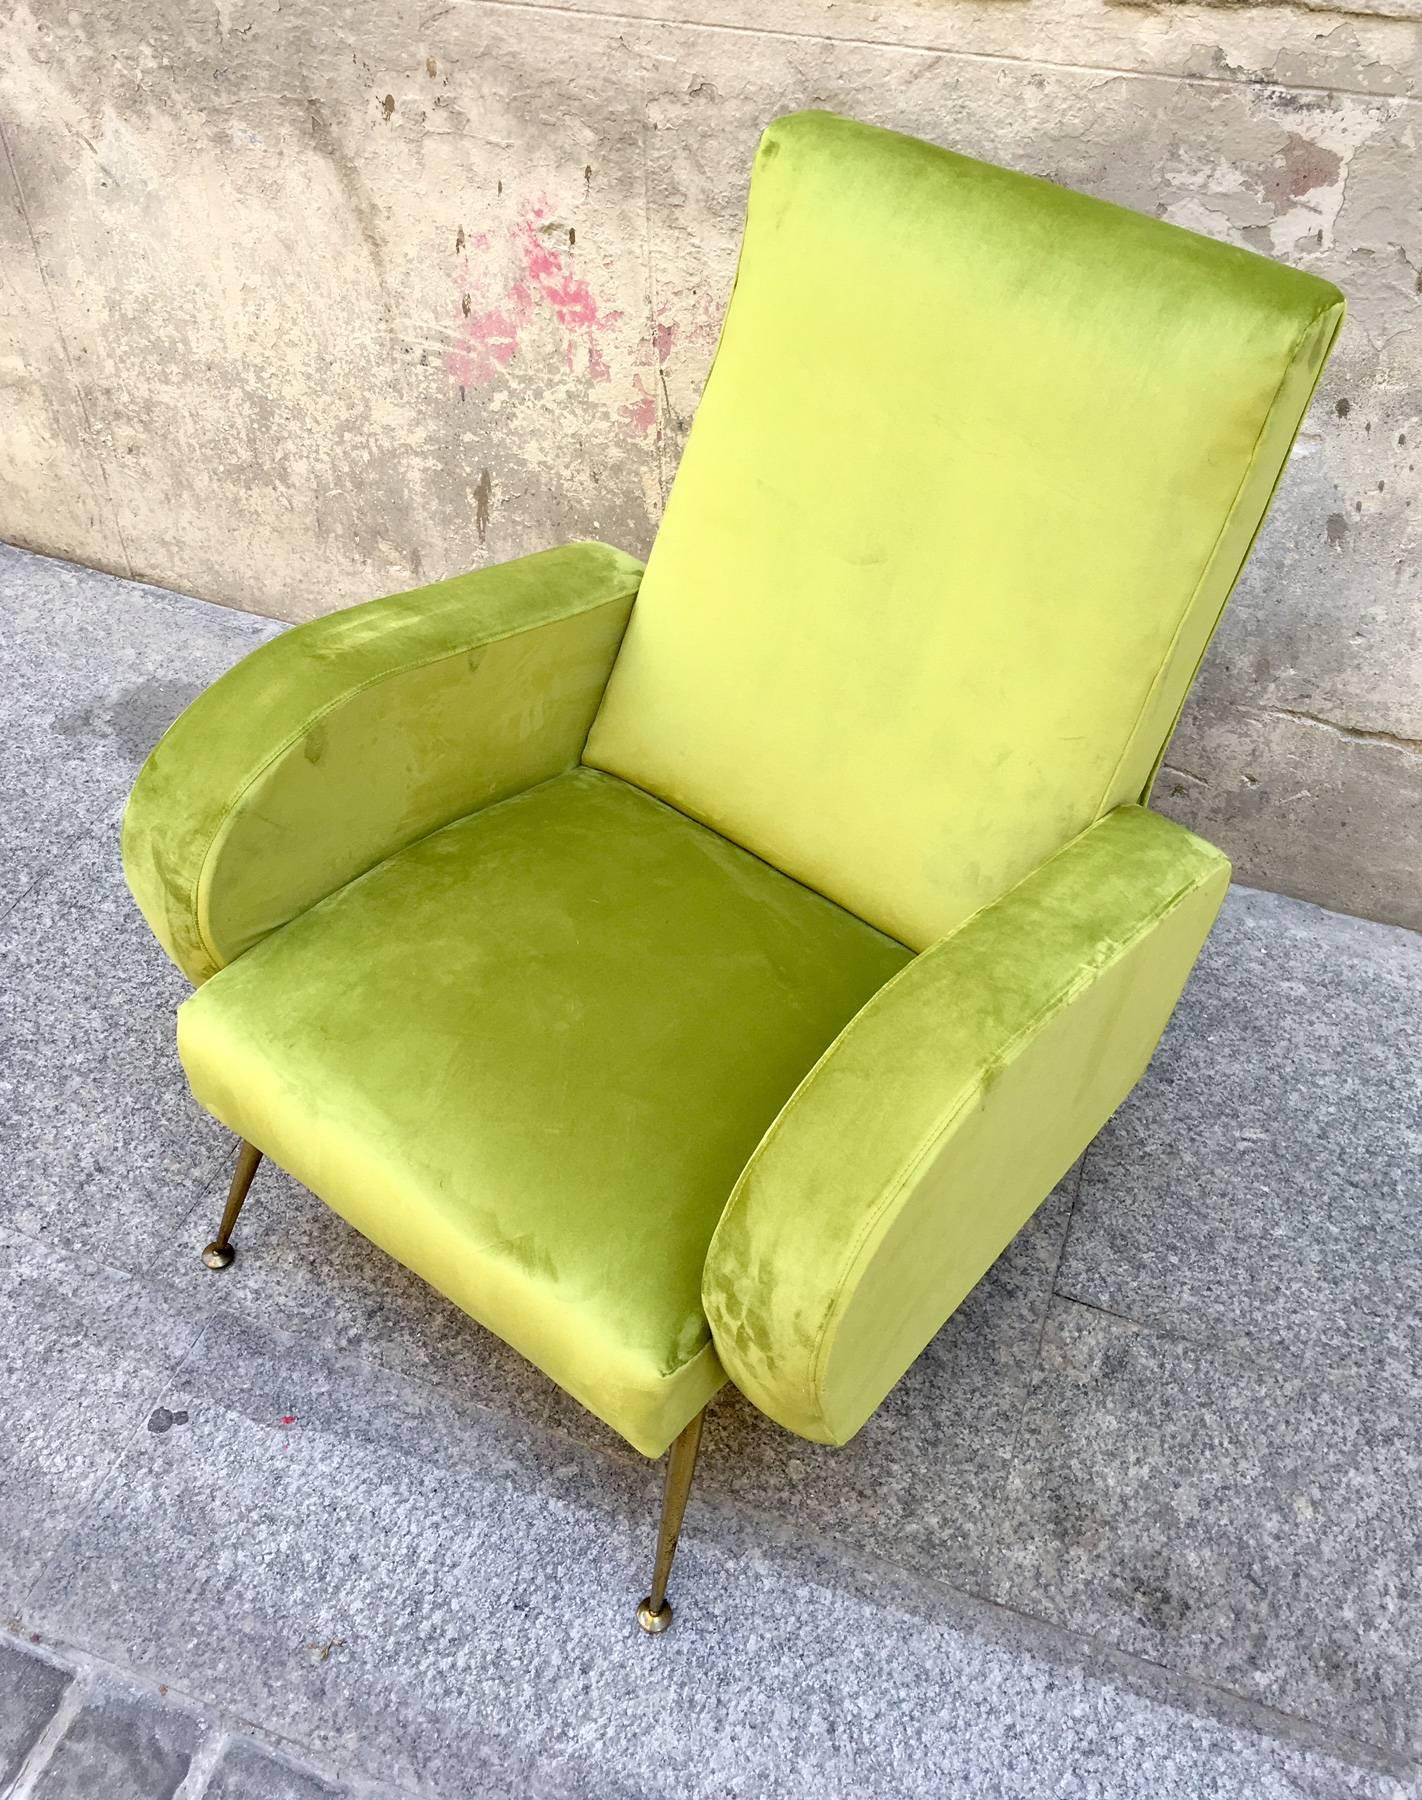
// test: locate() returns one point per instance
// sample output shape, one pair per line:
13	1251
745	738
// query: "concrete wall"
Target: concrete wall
306	302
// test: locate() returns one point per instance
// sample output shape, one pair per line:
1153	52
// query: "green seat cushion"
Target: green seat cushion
530	1055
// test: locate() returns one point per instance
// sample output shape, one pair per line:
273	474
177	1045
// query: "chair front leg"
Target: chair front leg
220	1252
654	1615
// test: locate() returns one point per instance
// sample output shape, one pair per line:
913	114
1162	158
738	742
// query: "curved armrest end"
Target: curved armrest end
345	739
943	1116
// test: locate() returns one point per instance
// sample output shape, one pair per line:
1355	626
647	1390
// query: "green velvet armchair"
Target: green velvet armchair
702	974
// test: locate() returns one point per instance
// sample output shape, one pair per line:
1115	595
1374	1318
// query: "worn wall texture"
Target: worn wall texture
302	302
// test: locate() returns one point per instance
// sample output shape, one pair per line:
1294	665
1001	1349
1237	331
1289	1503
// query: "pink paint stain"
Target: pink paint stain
641	415
567	294
488	338
489	345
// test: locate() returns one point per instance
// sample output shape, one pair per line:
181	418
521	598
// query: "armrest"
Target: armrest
343	740
944	1114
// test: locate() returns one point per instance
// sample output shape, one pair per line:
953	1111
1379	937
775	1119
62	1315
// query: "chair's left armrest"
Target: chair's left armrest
944	1114
345	739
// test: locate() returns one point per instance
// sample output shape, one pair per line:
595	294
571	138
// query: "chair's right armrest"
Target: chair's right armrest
943	1115
345	739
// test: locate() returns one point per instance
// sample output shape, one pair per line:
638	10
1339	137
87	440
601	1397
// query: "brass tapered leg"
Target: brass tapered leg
219	1252
655	1613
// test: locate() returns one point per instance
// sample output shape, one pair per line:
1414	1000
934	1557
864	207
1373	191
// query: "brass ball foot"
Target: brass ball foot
219	1256
651	1622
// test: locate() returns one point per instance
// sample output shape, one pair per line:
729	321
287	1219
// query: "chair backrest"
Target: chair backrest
977	464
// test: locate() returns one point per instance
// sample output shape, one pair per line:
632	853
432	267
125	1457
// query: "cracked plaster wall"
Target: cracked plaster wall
304	302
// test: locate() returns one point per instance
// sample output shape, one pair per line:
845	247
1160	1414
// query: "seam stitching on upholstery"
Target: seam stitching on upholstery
1058	1000
707	1349
1209	562
1339	309
342	699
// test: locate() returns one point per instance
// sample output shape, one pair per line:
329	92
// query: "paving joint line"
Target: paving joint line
99	1485
71	1703
1030	1634
1273	1722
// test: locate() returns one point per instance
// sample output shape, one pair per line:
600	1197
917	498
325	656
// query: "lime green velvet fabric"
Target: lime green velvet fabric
977	463
976	467
529	1057
348	737
933	1127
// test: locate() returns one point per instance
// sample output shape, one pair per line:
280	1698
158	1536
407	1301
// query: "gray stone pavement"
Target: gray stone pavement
1145	1519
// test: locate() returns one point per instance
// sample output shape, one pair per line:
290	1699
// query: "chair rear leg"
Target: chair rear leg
220	1251
655	1614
